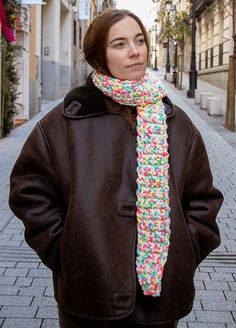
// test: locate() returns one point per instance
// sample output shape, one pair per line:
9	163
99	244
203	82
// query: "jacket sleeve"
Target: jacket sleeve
201	201
36	199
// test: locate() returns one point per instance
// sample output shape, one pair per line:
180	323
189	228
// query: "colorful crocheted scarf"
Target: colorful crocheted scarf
153	221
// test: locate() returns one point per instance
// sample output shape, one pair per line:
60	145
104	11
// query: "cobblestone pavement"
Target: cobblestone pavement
26	295
215	279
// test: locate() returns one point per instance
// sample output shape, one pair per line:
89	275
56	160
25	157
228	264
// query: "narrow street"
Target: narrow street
26	295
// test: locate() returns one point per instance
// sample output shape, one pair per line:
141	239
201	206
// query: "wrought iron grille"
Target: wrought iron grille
221	51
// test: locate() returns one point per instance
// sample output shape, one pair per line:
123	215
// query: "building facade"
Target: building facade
62	58
28	102
214	40
155	32
162	46
57	22
51	33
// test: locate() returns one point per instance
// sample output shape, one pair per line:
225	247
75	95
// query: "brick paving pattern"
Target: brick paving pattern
26	294
215	279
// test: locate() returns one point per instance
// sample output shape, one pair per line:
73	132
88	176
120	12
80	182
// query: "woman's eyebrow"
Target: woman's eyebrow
117	39
123	38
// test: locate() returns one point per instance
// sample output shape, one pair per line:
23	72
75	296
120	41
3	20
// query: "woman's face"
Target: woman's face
126	50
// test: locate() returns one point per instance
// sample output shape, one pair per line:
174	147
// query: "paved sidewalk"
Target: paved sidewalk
215	280
26	296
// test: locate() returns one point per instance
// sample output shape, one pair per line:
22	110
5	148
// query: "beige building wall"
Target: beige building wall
214	43
32	45
82	69
35	60
51	14
28	35
62	58
65	48
160	40
53	61
154	47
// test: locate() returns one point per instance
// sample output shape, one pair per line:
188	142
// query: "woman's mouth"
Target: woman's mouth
134	65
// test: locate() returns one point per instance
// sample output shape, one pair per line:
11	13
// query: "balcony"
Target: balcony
201	5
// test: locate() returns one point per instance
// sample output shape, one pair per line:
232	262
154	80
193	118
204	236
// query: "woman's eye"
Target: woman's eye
119	45
140	41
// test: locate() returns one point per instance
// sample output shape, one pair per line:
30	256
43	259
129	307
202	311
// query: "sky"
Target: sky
142	8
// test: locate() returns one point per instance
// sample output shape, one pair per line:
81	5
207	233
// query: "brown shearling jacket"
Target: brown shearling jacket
74	188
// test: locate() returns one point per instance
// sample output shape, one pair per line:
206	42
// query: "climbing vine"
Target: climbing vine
10	51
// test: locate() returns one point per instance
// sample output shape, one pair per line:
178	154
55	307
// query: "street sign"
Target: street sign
84	9
32	2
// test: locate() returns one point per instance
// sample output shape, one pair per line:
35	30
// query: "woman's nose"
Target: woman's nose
133	50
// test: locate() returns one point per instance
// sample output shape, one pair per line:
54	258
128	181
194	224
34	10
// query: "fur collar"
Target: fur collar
87	100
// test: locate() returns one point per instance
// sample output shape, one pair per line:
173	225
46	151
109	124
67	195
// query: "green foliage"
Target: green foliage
12	8
10	81
176	24
220	5
10	76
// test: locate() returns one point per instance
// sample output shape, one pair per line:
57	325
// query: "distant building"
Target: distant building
57	48
52	33
158	40
214	40
214	43
28	102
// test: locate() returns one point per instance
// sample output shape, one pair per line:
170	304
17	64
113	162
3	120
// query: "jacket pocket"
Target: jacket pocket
126	209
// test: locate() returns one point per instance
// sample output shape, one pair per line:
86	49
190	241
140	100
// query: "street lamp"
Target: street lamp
193	71
155	45
168	55
168	7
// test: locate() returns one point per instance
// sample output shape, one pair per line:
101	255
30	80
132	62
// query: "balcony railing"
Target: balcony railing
221	52
200	61
211	57
201	5
206	57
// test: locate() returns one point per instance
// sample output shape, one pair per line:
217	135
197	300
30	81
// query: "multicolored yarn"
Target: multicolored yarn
152	167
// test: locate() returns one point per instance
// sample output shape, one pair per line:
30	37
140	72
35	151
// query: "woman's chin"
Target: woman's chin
136	76
130	73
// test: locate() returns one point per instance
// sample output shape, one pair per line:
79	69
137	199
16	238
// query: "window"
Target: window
206	59
75	34
221	49
212	57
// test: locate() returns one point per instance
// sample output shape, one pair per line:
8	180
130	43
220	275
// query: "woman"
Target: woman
119	213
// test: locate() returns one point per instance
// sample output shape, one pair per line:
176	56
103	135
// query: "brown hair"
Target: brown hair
95	40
